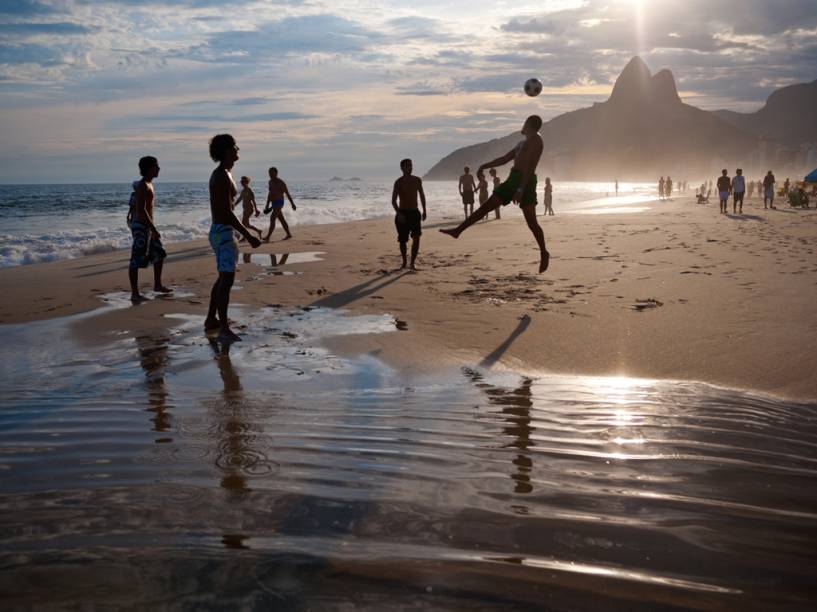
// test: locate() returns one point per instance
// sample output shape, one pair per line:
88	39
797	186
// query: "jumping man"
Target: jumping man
520	186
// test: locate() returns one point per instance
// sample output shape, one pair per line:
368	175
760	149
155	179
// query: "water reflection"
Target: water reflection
274	259
154	358
234	440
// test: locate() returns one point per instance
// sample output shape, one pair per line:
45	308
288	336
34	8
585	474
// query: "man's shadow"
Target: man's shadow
490	359
358	292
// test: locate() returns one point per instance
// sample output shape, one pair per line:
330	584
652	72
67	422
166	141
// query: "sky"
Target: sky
323	88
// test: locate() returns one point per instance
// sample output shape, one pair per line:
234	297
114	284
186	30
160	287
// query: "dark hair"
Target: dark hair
146	163
535	121
467	168
245	179
724	171
272	169
404	163
219	144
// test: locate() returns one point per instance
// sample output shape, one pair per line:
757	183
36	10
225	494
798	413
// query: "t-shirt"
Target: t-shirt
723	183
768	180
738	183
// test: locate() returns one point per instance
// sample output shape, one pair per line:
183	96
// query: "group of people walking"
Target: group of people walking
147	248
737	187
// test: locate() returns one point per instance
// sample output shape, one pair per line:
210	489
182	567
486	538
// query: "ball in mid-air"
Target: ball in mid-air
533	87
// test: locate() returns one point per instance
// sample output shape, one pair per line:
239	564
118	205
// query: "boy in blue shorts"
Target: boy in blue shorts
224	150
520	186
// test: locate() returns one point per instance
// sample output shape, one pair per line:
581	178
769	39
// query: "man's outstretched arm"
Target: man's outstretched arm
499	161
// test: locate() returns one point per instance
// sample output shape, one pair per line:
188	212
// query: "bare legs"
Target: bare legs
491	203
494	203
277	213
245	221
538	234
219	303
415	248
158	287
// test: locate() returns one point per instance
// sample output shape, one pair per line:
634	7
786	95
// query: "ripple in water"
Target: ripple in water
192	475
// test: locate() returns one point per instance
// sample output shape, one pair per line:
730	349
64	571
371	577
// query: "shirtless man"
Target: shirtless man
224	150
247	198
496	183
147	244
466	187
275	202
407	217
519	187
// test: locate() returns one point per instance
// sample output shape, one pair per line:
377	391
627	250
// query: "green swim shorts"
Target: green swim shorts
506	190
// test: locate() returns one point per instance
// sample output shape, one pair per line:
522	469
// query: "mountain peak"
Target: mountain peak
636	84
633	82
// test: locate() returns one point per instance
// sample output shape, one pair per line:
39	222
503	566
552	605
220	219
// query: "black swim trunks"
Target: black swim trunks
738	195
467	197
410	224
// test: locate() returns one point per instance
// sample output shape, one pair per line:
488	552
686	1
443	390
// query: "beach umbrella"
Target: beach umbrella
811	177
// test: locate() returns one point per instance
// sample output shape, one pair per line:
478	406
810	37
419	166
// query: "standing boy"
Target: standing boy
147	244
407	216
768	189
224	150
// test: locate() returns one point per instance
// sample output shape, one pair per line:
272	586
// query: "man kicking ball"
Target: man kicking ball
520	186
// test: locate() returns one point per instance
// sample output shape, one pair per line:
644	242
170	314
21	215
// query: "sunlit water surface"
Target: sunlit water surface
170	471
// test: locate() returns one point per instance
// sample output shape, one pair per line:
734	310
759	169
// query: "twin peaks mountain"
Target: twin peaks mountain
642	130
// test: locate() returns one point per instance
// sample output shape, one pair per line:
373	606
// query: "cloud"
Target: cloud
25	8
62	28
30	53
274	40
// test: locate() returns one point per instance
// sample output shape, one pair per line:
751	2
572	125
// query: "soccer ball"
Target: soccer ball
533	87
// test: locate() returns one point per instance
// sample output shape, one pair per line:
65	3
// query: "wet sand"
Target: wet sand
668	290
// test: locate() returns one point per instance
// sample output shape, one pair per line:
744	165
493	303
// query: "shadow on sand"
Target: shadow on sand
489	360
365	289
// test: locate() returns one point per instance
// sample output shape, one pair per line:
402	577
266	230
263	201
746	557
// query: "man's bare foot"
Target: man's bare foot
403	267
211	324
228	335
137	298
451	232
162	289
544	262
266	239
288	237
413	268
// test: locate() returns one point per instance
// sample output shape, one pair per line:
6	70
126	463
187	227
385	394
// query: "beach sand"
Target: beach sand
673	291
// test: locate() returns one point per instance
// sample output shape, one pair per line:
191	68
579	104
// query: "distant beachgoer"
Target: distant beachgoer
466	188
482	188
496	182
548	197
275	203
223	149
724	187
247	198
768	190
760	188
407	217
710	184
661	188
668	187
616	187
147	242
738	190
519	187
786	187
750	189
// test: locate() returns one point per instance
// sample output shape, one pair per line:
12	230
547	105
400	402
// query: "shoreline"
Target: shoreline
674	292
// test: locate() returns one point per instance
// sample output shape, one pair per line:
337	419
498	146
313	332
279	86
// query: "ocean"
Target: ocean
49	222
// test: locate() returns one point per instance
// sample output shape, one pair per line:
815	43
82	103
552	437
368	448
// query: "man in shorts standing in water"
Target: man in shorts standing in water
147	244
224	150
275	202
520	186
407	218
